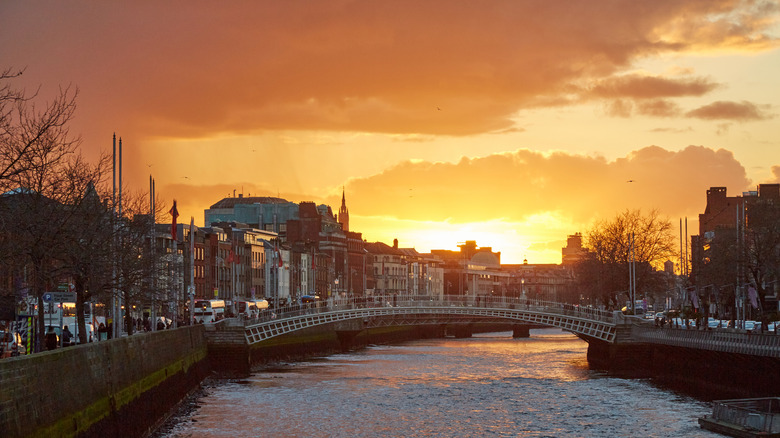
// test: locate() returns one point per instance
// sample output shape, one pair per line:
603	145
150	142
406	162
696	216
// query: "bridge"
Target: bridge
617	343
590	324
394	311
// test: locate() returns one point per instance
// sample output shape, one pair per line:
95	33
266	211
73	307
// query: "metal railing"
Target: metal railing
589	322
755	344
404	301
759	414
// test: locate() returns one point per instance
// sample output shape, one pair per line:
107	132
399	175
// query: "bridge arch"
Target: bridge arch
586	323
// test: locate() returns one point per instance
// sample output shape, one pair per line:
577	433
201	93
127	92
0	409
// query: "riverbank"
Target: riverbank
109	388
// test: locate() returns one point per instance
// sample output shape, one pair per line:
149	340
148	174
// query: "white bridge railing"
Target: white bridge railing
404	301
582	320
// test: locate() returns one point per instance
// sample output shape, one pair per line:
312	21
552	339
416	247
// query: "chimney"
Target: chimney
395	243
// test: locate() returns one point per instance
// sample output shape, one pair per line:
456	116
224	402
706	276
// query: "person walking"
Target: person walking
66	337
51	339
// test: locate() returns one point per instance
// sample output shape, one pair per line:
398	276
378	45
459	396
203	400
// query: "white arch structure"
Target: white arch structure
582	321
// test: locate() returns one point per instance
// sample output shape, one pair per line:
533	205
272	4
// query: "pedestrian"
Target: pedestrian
51	339
66	335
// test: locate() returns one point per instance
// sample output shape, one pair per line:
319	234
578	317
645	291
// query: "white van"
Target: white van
251	308
208	311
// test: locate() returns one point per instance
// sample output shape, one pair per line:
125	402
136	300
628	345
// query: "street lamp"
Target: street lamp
522	287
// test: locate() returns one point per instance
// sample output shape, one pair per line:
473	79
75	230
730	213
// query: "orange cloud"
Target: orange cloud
649	87
187	69
659	108
739	111
776	173
653	108
514	186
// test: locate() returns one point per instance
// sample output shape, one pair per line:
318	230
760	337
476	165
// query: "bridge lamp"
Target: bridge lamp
522	286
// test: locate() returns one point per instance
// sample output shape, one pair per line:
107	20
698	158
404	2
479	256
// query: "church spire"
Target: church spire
343	212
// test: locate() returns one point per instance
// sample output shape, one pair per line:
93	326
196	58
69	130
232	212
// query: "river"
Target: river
487	385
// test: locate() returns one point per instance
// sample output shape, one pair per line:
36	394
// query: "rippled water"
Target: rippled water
488	385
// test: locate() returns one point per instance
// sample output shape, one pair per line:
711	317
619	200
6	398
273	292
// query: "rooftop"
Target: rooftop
232	202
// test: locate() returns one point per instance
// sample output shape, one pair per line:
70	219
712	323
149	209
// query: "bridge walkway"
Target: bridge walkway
588	322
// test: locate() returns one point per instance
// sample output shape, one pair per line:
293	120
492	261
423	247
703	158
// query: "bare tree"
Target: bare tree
37	155
603	272
24	129
87	255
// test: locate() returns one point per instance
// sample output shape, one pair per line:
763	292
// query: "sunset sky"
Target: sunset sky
512	123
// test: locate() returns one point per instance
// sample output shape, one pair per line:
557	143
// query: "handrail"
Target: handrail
533	305
761	344
640	330
595	323
762	414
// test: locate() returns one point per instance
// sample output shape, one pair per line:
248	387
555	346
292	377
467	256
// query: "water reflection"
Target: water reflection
489	385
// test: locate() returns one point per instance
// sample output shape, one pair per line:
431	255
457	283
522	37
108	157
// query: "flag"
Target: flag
174	214
753	295
695	299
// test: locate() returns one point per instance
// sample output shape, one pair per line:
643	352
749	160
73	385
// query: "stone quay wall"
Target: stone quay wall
120	387
704	373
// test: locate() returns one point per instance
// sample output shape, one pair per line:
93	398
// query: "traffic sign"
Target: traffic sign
59	297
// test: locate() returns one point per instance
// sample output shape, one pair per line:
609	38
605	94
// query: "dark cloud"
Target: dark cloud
188	69
672	130
738	111
620	108
650	87
658	108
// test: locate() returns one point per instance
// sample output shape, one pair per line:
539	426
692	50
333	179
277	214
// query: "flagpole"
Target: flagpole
174	271
192	270
118	327
116	246
152	308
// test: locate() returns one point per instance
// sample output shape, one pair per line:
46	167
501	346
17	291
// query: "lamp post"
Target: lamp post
522	287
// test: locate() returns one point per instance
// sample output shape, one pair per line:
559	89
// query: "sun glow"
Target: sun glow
539	239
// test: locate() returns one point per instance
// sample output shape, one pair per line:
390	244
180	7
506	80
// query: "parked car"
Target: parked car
10	344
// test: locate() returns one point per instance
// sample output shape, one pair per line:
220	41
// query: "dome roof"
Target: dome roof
485	258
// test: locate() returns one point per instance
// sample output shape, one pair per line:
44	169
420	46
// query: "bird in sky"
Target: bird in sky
631	180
